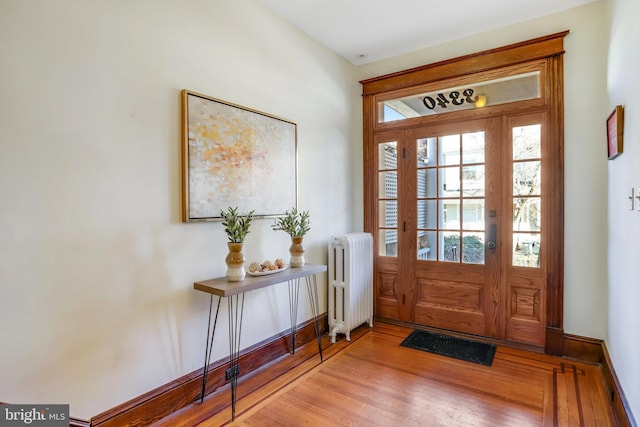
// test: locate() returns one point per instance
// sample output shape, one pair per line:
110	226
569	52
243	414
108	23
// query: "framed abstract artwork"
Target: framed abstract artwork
235	156
615	125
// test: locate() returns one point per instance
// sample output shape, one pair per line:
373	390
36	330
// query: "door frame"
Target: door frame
547	51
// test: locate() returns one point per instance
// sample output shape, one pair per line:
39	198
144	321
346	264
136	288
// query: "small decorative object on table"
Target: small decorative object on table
237	228
267	267
295	224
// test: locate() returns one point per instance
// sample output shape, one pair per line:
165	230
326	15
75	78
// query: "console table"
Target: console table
234	292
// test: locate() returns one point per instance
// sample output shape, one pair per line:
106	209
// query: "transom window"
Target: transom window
516	88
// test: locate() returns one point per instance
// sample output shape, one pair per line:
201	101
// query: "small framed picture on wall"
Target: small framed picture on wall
615	125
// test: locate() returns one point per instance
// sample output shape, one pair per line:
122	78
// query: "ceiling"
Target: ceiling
364	31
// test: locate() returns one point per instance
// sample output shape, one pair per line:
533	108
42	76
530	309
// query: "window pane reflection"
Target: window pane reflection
426	149
526	214
450	247
388	243
526	142
473	214
526	178
426	245
388	211
449	214
449	150
427	183
388	185
526	250
473	147
450	182
473	181
427	214
388	155
473	248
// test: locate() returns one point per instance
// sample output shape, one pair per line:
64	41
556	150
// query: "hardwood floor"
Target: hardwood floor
373	381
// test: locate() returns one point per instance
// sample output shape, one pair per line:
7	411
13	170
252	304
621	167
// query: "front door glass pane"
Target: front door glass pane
449	150
426	149
427	214
450	214
473	248
450	249
426	241
473	147
449	181
473	181
451	198
473	214
427	183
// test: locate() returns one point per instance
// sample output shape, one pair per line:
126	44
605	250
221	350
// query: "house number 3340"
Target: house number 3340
454	97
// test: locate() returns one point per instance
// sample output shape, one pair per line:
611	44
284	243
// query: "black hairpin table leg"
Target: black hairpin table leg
312	288
208	345
294	292
236	306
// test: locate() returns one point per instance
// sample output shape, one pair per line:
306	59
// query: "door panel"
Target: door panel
454	303
457	283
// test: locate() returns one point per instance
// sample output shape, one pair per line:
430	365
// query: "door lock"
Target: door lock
493	230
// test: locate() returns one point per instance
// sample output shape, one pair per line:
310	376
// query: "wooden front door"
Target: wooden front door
454	274
460	227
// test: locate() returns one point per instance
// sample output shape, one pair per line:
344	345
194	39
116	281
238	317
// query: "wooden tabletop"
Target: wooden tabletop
222	287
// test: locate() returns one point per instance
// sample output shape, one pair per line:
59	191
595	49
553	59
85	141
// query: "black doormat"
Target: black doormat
444	345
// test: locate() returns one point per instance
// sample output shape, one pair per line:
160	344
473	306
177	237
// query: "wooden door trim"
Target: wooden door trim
517	53
555	260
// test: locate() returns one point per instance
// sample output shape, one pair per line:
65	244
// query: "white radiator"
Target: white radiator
350	283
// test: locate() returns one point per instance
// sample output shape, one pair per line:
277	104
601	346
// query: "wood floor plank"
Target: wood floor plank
373	381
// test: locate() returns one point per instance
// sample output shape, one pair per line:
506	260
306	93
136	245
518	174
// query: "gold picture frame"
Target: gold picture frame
235	156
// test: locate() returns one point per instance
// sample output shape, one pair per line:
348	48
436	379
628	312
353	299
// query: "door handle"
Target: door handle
491	242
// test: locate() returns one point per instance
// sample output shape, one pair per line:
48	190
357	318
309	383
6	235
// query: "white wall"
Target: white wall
585	193
96	269
623	339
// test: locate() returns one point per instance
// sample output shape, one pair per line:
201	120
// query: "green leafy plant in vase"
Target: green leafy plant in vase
236	227
296	224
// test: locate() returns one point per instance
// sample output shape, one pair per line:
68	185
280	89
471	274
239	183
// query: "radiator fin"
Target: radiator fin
350	283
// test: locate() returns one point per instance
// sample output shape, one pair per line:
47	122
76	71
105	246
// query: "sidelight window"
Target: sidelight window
388	198
527	172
